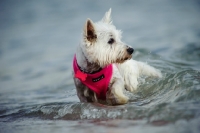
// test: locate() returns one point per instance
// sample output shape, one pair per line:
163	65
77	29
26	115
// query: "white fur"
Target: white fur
100	53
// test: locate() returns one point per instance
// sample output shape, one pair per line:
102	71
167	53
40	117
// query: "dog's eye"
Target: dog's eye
111	41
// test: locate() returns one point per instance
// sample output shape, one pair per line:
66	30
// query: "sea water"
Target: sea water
39	38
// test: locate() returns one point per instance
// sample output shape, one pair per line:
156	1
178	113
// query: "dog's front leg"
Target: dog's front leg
83	92
130	72
115	95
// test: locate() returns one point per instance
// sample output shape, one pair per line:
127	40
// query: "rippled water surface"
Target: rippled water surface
38	40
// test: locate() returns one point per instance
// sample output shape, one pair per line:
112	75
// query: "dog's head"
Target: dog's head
102	43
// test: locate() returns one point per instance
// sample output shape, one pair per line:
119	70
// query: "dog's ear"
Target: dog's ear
89	31
107	17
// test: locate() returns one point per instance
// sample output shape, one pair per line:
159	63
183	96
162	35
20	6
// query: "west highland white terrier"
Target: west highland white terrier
103	67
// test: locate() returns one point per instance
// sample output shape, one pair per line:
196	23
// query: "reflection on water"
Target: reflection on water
37	43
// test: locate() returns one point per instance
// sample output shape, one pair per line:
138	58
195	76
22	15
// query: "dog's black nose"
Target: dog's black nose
130	50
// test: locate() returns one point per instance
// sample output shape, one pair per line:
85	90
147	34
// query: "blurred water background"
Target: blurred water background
37	43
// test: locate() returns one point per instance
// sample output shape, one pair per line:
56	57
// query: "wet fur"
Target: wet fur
94	52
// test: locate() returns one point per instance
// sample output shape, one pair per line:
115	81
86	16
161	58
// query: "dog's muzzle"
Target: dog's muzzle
130	50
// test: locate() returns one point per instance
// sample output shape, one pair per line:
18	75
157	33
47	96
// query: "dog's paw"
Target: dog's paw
131	83
114	97
117	100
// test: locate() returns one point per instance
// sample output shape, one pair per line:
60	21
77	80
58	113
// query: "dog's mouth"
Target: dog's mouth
126	58
123	60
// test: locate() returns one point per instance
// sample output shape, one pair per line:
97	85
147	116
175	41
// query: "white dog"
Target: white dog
103	67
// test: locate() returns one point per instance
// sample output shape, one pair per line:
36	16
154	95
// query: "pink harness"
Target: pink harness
97	82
